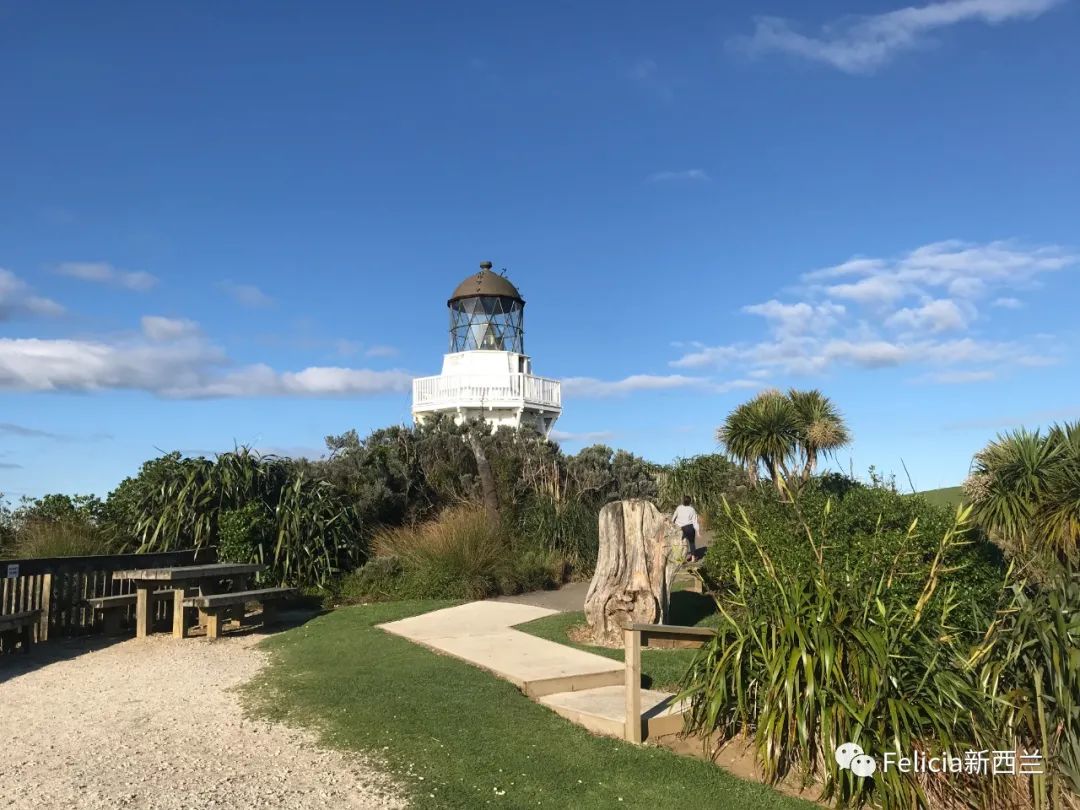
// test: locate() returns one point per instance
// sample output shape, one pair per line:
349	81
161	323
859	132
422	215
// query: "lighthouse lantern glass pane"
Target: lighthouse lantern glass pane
486	323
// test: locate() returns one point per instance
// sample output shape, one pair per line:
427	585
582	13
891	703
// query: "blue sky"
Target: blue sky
239	223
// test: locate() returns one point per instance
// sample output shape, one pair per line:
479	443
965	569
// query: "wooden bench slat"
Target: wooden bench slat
122	600
216	600
14	620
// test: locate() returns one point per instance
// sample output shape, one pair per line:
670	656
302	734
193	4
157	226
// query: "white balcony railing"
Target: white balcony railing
435	393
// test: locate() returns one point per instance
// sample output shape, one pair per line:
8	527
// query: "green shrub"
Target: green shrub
568	528
860	534
244	533
380	579
826	663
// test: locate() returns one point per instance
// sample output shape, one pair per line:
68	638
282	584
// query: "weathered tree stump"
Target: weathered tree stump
640	550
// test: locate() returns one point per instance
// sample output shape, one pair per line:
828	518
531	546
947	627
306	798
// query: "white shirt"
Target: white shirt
686	516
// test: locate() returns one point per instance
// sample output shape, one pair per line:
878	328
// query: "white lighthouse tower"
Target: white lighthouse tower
486	373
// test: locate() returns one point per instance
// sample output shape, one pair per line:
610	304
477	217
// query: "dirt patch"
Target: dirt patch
157	723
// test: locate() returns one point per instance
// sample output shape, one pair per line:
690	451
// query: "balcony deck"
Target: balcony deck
443	392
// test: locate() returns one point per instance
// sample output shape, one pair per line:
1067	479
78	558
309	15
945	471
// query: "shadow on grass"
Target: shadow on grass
689	608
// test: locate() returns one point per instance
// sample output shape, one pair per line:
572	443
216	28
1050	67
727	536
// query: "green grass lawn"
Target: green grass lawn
457	737
946	496
660	669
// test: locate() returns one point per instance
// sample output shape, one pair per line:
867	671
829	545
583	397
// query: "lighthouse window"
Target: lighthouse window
486	322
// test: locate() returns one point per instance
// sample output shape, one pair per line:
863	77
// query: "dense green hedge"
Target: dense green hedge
863	534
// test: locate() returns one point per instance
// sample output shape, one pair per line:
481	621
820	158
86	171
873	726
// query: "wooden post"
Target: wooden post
241	583
632	657
179	623
213	623
46	601
144	609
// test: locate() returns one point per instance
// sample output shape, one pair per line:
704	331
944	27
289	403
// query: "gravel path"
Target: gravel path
155	723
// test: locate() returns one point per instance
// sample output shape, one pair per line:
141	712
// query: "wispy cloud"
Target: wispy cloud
684	175
1029	419
105	273
159	328
592	387
172	359
247	295
913	310
582	437
862	44
646	74
958	377
11	429
381	351
17	299
1008	303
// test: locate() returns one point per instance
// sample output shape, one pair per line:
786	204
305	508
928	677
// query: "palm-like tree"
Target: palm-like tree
1024	489
821	427
779	431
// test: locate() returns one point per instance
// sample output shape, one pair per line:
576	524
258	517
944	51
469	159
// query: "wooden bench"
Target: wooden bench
212	605
21	627
112	607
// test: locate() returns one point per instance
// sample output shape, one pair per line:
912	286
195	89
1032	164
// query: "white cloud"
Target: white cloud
585	436
939	315
875	289
799	318
381	351
160	328
591	387
685	175
104	273
17	299
862	44
187	368
247	295
880	327
957	377
1008	303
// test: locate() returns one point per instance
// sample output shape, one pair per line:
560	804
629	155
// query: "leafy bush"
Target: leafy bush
860	534
568	528
826	663
244	533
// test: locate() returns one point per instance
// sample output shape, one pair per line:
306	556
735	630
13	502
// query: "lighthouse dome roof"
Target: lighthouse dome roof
485	283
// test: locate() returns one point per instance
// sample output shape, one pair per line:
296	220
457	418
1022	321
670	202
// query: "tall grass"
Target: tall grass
463	554
57	538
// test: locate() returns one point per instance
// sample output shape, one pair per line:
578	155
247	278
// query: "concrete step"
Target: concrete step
603	710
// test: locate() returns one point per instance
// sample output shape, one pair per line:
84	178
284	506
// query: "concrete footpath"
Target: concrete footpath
585	688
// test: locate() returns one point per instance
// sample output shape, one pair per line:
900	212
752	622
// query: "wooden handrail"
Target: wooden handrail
638	635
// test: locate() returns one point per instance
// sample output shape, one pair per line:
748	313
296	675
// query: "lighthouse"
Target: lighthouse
486	372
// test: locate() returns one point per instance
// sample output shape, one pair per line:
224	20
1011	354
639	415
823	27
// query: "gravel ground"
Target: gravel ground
156	723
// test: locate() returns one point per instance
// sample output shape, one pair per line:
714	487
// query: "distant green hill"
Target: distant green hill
946	496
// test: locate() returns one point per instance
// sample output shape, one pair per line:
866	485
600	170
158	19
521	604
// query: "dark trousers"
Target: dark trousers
690	535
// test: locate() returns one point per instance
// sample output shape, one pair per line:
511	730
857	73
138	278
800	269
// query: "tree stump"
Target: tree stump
640	551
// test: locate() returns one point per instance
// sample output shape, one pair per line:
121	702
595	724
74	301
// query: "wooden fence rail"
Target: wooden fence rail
60	586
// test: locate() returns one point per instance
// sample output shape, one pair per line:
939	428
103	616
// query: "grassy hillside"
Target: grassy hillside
946	496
